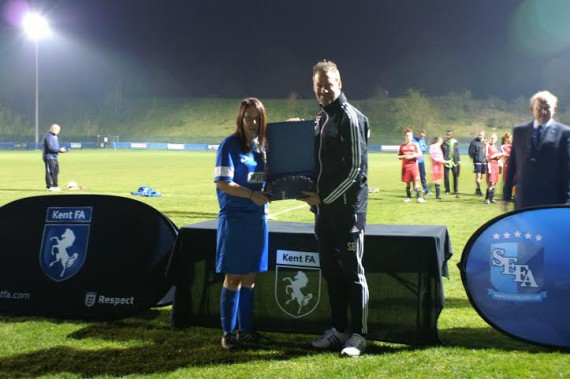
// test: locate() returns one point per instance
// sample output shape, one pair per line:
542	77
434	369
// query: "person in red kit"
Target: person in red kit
409	153
492	156
437	162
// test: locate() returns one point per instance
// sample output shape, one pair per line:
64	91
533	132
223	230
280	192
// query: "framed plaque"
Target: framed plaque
290	159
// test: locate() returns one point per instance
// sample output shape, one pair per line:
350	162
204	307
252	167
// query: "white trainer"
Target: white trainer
54	189
421	200
354	347
331	339
407	199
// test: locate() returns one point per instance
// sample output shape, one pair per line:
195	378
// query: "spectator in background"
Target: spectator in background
437	162
450	148
506	146
409	153
540	158
492	157
420	139
477	154
242	234
51	150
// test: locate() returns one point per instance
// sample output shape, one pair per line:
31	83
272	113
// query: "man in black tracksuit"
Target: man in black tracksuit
341	138
477	154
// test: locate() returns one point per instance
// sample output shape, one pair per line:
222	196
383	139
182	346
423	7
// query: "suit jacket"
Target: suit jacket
541	177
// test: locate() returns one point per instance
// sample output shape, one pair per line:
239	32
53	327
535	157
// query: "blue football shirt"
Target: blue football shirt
245	169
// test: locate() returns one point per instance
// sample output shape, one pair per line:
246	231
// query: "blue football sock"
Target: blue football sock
245	310
229	301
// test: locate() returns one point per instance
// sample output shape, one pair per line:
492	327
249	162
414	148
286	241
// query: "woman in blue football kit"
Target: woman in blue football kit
242	222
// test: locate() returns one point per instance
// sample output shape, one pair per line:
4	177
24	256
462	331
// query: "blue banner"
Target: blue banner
516	271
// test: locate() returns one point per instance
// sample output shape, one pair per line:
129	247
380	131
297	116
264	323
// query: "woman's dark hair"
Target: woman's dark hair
262	133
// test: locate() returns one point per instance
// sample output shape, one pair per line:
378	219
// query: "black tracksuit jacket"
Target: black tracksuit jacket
341	148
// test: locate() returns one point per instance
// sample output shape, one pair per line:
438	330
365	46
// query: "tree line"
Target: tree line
189	119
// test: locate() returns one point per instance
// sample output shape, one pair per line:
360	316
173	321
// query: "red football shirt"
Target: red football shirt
411	148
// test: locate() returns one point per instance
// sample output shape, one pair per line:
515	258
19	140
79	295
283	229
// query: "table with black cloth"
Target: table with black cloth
404	268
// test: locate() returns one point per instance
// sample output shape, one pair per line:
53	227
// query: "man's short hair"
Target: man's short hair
546	96
422	131
326	66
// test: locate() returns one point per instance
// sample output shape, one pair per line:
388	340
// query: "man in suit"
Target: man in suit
450	149
539	165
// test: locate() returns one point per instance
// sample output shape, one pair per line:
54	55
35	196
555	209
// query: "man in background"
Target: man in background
539	164
477	154
51	151
450	148
340	202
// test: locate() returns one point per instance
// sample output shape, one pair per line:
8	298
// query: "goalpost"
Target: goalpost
107	142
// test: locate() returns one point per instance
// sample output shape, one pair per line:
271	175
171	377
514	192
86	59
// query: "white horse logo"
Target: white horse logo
293	289
61	245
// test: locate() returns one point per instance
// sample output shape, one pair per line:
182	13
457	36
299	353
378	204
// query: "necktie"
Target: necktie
536	136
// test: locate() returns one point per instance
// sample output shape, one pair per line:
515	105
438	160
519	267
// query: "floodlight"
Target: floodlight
36	26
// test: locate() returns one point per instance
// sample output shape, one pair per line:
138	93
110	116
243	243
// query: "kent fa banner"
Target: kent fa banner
516	271
83	256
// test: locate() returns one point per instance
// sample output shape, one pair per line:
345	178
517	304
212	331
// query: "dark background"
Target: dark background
266	48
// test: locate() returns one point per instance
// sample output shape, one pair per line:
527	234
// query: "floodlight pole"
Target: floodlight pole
36	27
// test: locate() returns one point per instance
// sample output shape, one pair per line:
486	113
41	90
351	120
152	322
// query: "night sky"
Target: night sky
266	48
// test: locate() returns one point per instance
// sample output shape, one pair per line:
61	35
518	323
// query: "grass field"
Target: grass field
146	346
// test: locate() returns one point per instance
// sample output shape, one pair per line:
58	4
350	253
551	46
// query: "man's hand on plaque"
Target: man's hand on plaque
311	198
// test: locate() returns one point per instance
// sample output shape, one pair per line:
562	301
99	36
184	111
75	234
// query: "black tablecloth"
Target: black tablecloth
404	267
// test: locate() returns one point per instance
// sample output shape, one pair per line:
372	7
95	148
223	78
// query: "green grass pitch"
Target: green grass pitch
146	346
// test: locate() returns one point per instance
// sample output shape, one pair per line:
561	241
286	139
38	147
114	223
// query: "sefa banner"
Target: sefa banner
515	270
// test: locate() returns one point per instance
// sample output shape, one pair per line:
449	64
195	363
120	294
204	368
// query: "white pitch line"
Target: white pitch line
273	215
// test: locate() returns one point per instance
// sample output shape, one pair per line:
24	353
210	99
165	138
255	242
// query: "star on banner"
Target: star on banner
505	235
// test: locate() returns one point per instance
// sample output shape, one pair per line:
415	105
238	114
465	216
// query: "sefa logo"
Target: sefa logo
517	267
90	298
64	246
297	282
